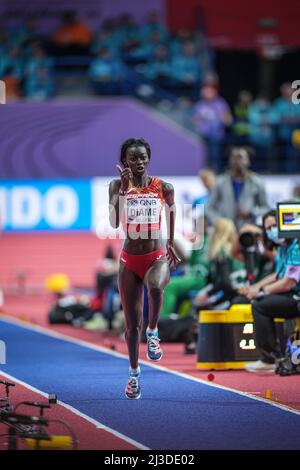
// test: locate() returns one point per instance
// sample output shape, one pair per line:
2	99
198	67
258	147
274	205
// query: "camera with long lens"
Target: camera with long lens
248	239
248	242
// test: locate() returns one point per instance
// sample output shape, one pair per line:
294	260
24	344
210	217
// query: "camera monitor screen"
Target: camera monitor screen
288	217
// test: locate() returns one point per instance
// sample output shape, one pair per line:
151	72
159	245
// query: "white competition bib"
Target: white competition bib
142	209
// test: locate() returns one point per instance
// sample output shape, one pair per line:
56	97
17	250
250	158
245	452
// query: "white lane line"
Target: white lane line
96	423
86	344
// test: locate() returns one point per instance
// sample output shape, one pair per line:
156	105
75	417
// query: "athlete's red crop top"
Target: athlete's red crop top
143	207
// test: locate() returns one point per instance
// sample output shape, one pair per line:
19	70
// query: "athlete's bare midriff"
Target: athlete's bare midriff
139	247
141	218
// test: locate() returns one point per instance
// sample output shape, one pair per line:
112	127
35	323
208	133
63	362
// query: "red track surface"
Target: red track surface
38	255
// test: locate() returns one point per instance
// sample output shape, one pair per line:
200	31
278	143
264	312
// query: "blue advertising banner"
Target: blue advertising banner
45	205
82	204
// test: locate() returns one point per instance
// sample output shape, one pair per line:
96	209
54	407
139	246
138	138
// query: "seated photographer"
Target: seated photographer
250	248
274	295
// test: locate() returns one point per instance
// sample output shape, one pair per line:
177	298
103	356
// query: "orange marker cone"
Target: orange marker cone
268	393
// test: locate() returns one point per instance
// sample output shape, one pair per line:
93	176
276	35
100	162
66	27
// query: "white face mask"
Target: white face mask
272	235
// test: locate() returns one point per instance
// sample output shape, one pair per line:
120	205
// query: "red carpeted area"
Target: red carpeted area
77	255
26	259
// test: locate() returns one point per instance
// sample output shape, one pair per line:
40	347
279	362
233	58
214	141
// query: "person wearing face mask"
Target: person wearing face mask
273	296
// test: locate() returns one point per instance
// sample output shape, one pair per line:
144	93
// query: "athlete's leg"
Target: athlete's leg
156	279
131	290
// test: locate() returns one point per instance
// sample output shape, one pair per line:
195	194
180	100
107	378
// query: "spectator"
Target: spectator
108	36
287	116
107	74
296	192
39	86
105	38
127	33
241	111
72	37
12	60
226	274
144	50
37	61
12	85
273	296
158	69
25	34
181	112
177	42
239	194
153	24
186	70
208	179
211	116
206	56
261	122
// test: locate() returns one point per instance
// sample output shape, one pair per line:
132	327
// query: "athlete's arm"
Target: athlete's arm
117	190
115	203
168	193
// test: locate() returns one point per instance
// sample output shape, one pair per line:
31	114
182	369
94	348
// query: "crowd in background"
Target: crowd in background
258	123
119	54
25	66
176	73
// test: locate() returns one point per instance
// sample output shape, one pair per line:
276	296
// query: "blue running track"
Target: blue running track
173	412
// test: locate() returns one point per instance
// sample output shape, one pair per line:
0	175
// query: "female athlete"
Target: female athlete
136	200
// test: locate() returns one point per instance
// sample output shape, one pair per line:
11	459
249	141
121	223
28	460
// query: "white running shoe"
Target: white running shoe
260	366
133	389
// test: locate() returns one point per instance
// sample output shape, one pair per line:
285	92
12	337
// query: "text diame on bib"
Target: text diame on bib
142	209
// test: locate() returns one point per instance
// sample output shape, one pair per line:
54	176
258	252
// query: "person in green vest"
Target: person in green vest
195	277
211	269
226	273
240	126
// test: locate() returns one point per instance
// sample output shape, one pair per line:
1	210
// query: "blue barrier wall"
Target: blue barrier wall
82	204
45	205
